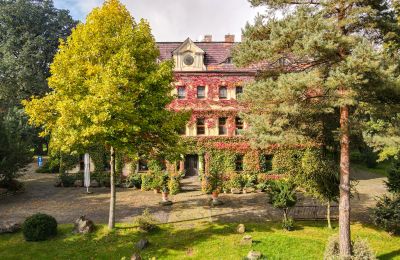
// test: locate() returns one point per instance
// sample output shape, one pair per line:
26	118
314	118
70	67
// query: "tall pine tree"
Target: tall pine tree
320	59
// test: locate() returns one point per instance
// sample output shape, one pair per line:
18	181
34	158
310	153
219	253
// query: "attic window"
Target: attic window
188	60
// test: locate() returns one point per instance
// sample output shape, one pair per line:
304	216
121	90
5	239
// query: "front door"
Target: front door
191	165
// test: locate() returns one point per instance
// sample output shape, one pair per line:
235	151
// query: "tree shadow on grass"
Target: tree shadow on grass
390	255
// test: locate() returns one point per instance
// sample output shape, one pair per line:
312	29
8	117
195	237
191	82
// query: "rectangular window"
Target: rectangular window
222	130
266	162
143	165
201	92
201	128
182	131
239	91
239	126
181	92
223	93
239	162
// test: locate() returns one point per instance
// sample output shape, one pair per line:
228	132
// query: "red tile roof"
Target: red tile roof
216	54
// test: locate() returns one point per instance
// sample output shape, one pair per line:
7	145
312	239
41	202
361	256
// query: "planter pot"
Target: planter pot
215	195
165	196
215	201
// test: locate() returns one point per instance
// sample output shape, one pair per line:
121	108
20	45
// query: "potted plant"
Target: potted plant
216	184
164	179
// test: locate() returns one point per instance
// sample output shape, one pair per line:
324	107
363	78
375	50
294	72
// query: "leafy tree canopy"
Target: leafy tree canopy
108	88
29	37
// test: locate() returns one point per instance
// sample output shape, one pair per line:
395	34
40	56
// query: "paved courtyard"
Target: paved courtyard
66	204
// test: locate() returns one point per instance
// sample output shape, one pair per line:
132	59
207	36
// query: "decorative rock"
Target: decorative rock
166	203
94	184
142	244
235	191
9	228
241	228
58	183
250	190
78	183
254	255
247	240
136	257
83	225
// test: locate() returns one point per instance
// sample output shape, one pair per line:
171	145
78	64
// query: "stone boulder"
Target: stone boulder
254	255
94	184
136	257
83	225
78	183
142	244
247	240
58	183
10	227
235	191
250	190
241	228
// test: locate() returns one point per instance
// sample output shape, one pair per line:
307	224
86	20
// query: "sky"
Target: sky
175	20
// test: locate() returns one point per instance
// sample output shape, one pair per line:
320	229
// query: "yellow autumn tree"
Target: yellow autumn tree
108	89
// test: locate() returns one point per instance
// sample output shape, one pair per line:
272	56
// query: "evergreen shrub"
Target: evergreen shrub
39	227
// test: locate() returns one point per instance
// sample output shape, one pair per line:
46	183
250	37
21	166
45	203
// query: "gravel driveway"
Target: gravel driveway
66	204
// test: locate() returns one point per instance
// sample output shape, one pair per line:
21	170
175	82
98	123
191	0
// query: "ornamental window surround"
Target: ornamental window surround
223	92
200	126
181	92
201	92
222	129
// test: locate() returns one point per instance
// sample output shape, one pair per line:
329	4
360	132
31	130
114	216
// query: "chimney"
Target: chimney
230	38
207	38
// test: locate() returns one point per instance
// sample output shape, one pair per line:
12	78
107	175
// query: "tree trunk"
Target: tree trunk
285	215
111	217
328	214
344	202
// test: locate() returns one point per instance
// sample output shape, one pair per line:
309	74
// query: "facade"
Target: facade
208	84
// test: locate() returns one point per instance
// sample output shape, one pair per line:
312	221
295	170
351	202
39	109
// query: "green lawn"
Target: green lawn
204	241
380	169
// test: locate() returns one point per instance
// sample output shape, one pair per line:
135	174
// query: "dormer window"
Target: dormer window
181	92
229	60
223	93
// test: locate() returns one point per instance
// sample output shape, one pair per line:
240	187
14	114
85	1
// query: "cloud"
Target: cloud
175	20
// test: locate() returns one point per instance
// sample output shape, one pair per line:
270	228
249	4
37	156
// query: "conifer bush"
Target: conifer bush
39	227
360	250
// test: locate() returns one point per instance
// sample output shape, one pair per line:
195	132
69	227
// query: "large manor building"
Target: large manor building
208	84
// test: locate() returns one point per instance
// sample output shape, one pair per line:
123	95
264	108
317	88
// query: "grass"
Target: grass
380	169
203	241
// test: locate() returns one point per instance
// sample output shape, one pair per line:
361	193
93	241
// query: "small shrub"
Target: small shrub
39	227
145	222
133	180
249	180
282	195
360	250
393	183
67	180
386	214
174	185
288	224
147	181
234	180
